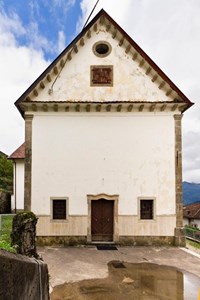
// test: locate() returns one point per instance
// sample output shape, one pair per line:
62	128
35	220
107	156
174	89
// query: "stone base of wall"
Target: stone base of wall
61	240
179	239
146	240
123	241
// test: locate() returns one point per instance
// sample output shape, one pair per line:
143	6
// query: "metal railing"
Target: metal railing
192	234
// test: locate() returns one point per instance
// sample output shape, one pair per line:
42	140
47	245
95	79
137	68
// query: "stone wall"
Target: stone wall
123	240
22	277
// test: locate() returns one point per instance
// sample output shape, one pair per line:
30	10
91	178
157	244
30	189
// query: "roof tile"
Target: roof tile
192	211
18	153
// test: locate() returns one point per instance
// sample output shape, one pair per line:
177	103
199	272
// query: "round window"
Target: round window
102	49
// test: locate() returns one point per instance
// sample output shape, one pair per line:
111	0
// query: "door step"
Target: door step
106	247
94	243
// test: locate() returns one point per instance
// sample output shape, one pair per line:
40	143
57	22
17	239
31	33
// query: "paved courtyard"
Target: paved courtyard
75	264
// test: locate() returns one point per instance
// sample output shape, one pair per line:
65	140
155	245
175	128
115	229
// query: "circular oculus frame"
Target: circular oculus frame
102	49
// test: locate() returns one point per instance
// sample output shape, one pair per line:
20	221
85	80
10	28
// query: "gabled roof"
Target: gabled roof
192	211
19	153
60	61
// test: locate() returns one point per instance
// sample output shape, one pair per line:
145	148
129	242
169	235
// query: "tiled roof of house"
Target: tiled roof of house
192	211
18	153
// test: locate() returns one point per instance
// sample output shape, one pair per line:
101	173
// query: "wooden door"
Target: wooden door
102	220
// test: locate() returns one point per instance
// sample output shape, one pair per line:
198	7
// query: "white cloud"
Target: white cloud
169	32
12	30
10	27
65	5
61	41
191	161
117	9
19	67
34	9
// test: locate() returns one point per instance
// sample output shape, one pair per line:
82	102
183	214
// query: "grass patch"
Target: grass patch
193	244
5	241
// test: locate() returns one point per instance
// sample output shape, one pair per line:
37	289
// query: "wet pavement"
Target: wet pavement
148	273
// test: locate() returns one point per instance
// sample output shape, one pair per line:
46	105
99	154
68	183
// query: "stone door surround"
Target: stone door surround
107	197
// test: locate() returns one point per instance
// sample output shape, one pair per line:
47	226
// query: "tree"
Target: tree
6	173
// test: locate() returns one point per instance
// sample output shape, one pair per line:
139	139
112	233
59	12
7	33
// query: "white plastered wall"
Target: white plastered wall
18	196
129	79
132	155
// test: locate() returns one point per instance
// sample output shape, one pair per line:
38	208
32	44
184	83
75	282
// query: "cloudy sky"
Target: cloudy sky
34	32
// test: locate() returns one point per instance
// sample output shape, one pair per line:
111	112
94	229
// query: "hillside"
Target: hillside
191	192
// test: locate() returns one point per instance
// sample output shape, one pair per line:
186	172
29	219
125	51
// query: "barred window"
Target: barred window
146	209
59	210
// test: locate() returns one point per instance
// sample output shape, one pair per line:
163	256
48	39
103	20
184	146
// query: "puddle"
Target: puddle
143	281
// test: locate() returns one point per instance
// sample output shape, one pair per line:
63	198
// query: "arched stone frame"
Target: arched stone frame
114	198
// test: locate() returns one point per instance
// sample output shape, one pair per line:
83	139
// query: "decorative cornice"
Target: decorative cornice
118	107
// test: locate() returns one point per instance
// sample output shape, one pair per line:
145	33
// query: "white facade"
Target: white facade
17	199
117	154
88	140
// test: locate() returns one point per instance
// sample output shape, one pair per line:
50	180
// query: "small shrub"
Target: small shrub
5	240
192	227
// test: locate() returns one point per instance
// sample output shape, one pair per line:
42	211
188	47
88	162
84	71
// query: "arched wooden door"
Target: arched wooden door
102	216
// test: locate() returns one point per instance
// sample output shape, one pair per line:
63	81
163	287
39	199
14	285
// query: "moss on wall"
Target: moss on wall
24	233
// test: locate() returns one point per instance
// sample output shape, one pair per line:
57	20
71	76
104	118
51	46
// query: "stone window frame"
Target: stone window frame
154	209
99	54
51	209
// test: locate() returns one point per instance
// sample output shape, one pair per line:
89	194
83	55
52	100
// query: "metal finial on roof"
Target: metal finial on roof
90	14
51	88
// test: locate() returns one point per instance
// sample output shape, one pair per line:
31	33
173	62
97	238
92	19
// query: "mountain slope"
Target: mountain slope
191	192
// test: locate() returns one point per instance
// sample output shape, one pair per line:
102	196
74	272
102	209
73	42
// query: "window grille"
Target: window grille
59	209
146	209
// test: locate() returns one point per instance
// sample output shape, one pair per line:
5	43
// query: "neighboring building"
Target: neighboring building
191	214
17	200
103	143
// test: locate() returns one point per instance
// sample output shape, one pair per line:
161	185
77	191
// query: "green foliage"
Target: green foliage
6	173
5	242
6	246
192	227
193	244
